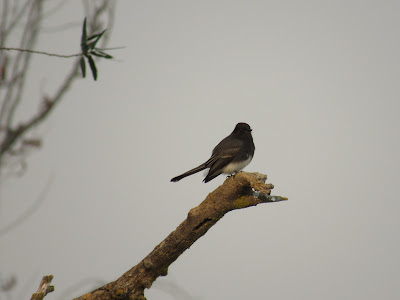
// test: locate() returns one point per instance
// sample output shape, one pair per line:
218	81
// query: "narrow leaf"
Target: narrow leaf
83	38
83	67
96	38
99	53
93	36
92	67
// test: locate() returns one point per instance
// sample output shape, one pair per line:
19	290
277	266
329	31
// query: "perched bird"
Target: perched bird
230	156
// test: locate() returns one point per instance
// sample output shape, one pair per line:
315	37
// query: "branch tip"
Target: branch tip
44	288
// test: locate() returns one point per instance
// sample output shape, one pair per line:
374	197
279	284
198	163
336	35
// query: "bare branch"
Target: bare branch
41	52
29	38
55	9
239	191
12	132
31	210
44	288
13	135
3	22
17	17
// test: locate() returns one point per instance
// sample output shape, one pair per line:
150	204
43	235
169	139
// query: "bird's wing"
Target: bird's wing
228	146
221	159
222	156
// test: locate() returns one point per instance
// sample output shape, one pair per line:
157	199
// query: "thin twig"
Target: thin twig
18	17
11	133
41	52
31	210
31	30
3	22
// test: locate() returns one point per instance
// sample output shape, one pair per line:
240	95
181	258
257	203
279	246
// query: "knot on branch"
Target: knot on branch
148	264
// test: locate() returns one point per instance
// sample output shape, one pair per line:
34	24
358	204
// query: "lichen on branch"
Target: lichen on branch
237	192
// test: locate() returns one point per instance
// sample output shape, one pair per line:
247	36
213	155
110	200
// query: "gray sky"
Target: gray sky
318	81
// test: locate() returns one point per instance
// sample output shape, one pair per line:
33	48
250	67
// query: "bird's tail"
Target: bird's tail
211	176
188	173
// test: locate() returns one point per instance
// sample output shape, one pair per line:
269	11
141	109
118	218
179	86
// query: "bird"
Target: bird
230	156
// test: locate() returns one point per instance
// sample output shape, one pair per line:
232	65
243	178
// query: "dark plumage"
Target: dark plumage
230	156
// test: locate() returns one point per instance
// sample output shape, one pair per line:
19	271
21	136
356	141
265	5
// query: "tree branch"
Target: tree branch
49	104
12	133
41	52
30	210
44	288
239	191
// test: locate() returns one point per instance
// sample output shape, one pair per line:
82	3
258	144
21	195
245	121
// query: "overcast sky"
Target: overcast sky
319	83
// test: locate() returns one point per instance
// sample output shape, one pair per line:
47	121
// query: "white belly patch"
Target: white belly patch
236	166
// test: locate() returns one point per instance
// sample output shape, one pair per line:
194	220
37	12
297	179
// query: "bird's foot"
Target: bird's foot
232	175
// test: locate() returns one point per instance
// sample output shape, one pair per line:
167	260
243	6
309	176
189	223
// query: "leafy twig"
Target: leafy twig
88	47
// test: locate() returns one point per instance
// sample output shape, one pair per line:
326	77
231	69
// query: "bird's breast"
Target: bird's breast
234	167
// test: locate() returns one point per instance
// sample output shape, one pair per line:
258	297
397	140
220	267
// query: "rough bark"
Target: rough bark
239	191
44	288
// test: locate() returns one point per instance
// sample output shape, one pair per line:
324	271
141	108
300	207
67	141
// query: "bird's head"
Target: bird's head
242	128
